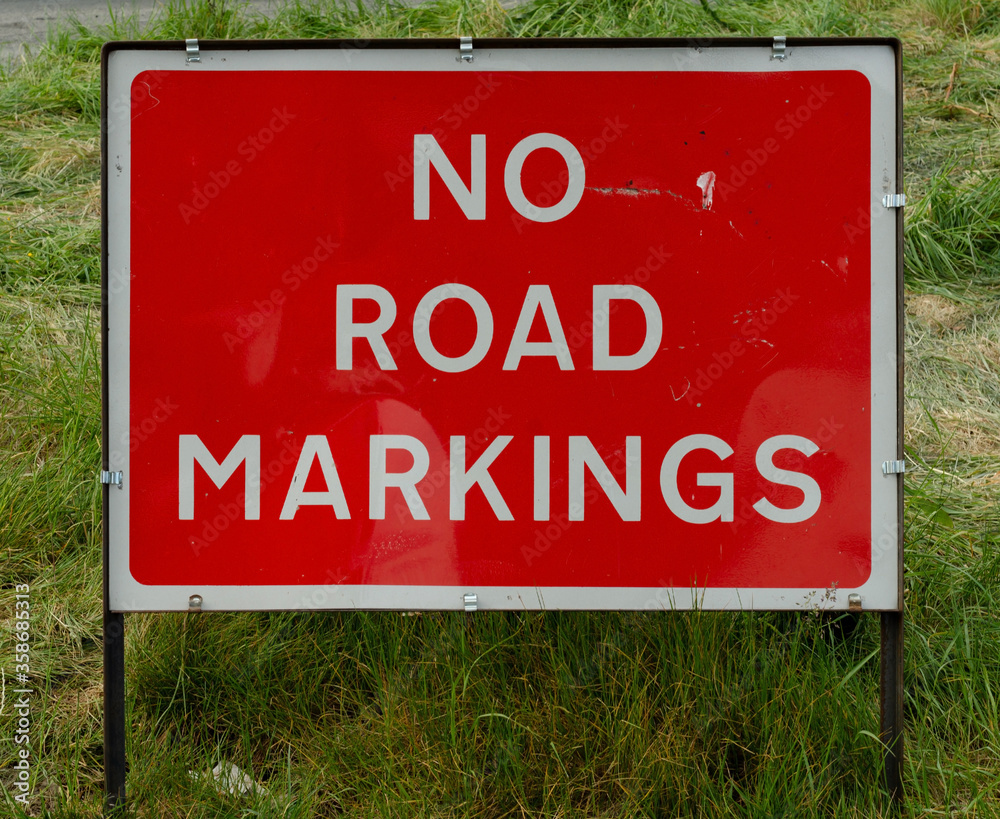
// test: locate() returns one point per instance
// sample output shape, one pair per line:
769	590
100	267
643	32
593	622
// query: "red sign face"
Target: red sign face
522	329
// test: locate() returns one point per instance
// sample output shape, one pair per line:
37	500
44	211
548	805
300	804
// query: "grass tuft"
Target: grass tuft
951	235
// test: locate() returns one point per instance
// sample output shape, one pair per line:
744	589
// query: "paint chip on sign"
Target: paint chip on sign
707	184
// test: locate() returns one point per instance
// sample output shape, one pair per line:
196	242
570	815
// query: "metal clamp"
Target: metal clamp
115	478
854	602
194	603
465	49
193	51
894	200
778	51
893	467
471	602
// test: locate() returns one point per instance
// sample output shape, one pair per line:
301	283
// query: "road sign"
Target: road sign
592	326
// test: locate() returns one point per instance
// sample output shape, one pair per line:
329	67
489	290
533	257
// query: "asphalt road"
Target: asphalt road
24	23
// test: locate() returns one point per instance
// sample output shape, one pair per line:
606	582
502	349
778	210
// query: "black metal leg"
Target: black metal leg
114	711
891	701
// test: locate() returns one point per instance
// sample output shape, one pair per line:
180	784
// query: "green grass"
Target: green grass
511	714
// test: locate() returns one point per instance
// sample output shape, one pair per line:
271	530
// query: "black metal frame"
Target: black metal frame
115	762
891	622
891	692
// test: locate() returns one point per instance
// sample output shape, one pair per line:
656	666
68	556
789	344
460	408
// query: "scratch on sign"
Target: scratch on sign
627	191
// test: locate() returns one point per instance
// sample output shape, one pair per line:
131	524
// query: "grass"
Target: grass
510	714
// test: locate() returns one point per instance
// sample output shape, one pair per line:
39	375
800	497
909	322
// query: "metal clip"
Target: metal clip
194	603
778	49
115	478
854	602
894	200
465	49
471	602
193	51
893	467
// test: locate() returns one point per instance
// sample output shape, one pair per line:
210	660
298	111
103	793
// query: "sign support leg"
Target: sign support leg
114	711
891	701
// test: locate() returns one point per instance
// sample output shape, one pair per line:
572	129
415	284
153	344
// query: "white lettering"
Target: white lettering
722	509
462	479
627	503
810	489
348	329
380	479
422	328
471	200
603	360
191	449
315	446
542	470
539	295
574	186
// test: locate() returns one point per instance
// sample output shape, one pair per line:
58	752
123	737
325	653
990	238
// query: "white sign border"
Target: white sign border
877	61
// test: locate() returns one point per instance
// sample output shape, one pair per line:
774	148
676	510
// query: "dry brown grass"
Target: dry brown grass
953	377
